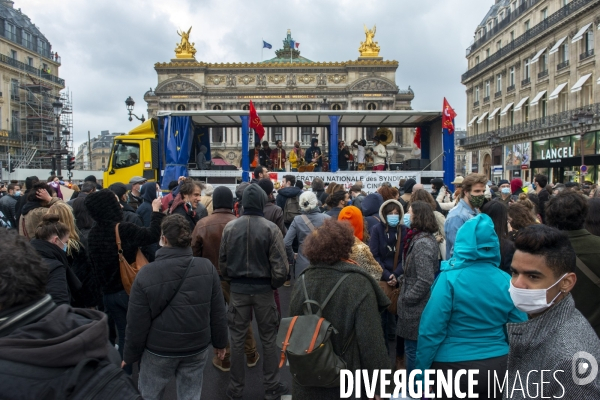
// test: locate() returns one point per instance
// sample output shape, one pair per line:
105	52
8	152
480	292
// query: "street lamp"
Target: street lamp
57	109
130	103
582	120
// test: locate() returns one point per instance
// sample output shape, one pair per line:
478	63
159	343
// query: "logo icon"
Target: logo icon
584	368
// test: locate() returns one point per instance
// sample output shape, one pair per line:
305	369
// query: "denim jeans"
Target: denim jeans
115	305
156	372
410	354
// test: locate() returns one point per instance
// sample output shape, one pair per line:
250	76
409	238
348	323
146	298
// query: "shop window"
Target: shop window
540	149
589	144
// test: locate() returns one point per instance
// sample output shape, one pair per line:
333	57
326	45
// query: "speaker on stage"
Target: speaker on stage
412	164
424	164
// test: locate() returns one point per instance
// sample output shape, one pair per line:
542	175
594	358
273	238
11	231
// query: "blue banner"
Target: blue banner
177	145
448	164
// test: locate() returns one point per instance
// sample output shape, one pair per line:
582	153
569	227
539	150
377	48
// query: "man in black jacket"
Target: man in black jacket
253	259
540	188
42	343
129	214
172	343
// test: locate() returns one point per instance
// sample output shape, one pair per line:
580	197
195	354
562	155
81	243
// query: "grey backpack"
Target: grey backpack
306	342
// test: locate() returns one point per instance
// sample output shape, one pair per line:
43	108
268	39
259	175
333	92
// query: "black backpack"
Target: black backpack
291	210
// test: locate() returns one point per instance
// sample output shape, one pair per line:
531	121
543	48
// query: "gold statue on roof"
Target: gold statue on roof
369	47
185	49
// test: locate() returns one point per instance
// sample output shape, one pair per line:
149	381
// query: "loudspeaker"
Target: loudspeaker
397	166
412	164
424	164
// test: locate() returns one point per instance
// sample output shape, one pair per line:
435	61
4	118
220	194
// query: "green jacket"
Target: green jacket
585	293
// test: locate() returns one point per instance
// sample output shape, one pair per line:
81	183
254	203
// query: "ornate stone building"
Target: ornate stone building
532	69
287	82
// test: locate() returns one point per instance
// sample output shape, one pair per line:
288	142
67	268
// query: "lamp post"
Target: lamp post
130	103
582	120
57	109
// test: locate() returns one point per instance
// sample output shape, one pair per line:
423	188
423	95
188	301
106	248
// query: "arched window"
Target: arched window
371	106
180	107
336	107
245	107
306	107
217	107
277	107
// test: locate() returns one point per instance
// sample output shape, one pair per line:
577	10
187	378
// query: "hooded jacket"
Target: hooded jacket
201	162
286	193
384	239
370	209
40	340
252	255
465	318
313	152
144	210
102	242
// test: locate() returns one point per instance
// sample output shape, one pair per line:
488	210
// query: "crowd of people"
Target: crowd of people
491	277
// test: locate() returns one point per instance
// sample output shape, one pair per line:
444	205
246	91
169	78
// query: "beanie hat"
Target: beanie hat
239	190
254	198
266	185
209	189
516	184
408	185
222	198
118	188
353	215
308	201
103	207
437	183
503	182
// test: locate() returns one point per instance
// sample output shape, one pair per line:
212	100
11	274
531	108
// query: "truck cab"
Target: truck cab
134	154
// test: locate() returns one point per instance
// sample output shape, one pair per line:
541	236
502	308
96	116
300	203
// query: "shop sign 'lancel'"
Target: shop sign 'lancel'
562	152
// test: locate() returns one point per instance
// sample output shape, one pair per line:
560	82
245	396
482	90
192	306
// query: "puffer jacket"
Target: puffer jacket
193	320
206	238
252	255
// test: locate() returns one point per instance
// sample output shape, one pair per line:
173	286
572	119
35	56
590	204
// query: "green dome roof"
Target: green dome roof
286	54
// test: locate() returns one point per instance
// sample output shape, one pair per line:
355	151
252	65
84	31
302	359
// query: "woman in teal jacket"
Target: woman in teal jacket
463	325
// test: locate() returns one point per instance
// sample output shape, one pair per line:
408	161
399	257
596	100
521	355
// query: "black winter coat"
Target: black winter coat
195	318
102	244
89	295
191	218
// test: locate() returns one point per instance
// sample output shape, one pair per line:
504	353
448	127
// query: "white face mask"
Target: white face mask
532	301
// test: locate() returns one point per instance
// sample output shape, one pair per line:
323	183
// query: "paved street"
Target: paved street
215	381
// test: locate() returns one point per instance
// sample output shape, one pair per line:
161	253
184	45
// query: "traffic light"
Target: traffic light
70	162
12	167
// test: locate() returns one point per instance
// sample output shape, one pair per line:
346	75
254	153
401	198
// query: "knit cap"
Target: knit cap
353	215
222	198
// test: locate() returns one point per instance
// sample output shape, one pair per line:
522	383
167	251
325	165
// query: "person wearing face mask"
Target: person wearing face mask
50	242
557	337
472	199
8	203
388	238
504	188
463	323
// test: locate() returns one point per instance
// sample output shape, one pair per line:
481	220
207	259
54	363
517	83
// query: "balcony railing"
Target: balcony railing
486	99
542	74
498	94
510	88
562	65
31	70
587	54
526	81
476	104
525	38
528	129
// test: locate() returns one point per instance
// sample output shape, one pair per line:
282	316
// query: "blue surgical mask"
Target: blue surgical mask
159	195
406	220
534	186
17	193
393	220
65	248
505	190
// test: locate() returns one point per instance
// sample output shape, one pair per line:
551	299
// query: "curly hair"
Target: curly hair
330	243
472	179
334	199
422	217
177	230
566	211
23	279
423	195
188	186
388	192
592	221
520	216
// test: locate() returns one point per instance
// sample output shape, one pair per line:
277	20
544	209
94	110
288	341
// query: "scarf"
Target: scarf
409	237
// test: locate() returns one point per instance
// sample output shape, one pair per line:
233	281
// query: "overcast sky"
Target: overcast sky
109	47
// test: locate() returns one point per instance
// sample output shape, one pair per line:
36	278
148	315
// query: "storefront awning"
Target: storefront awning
480	120
520	105
493	114
580	83
580	33
505	110
537	98
537	56
557	45
557	91
473	120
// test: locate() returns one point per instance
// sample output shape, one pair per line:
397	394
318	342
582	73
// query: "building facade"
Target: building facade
94	154
287	82
30	85
531	70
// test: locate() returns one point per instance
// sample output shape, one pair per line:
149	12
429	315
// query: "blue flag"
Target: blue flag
267	45
292	44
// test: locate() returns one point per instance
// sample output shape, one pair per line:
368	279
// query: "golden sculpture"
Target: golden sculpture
185	49
369	48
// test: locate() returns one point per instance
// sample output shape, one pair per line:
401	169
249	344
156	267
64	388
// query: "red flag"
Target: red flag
417	138
255	122
448	116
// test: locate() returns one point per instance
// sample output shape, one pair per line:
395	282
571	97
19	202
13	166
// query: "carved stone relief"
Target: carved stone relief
216	79
373	84
291	80
261	80
306	79
178	86
246	79
321	79
231	80
337	78
276	79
